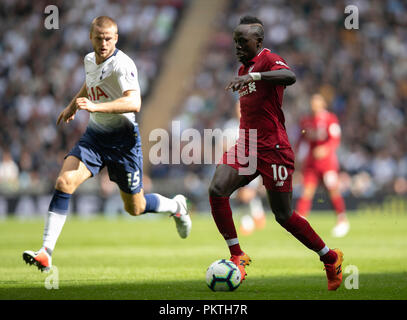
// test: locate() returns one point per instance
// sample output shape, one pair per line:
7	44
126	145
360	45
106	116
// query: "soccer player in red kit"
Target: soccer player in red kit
260	83
322	133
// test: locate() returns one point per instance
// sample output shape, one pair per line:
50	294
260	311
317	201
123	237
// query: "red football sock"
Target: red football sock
302	230
222	214
303	206
339	204
329	258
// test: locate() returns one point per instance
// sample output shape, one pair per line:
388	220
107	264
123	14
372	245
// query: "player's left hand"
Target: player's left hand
239	82
85	104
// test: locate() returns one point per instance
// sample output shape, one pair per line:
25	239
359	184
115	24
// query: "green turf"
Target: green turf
141	258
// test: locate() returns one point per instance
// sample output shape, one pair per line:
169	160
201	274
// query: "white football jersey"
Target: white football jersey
107	82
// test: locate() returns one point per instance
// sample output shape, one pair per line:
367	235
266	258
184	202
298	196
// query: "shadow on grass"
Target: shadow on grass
380	286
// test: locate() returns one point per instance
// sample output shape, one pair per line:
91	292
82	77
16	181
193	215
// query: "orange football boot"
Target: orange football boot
241	261
334	271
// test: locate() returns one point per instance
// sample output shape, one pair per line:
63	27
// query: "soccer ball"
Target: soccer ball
223	275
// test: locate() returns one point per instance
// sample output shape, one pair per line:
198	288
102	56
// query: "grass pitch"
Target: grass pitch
143	258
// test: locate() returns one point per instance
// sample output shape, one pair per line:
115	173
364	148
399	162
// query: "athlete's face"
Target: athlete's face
318	103
104	41
246	42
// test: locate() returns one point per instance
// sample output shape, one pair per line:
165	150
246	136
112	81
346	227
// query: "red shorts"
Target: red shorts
275	166
313	176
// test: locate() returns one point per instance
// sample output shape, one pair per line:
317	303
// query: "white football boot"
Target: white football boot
341	229
182	218
41	259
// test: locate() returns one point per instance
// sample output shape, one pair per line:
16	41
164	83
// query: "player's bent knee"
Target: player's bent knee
135	210
281	219
309	192
64	184
281	216
215	190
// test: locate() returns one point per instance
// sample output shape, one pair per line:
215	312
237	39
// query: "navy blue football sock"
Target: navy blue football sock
60	202
152	202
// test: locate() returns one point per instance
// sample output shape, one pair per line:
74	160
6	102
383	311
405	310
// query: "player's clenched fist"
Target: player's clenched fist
239	82
85	104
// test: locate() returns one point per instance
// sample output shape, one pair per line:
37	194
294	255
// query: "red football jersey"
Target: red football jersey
321	129
261	104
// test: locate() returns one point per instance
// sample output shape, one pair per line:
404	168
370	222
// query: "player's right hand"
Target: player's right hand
239	82
67	114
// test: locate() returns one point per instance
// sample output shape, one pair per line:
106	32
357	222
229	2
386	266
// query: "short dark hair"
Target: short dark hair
257	25
250	20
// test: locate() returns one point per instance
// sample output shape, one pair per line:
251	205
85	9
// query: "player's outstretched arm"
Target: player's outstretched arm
129	102
282	77
69	112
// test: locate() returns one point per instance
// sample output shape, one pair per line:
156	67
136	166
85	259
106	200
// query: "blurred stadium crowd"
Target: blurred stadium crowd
41	70
362	73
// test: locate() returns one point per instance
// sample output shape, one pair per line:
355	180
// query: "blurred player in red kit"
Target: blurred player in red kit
322	133
261	81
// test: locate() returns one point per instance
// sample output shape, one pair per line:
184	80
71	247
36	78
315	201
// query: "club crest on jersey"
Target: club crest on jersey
251	87
279	183
95	93
101	75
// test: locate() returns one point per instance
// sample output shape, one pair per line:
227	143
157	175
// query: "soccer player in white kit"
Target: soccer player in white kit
111	94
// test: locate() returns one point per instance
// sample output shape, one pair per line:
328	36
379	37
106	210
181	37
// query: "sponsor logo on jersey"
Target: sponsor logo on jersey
251	87
95	93
282	63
